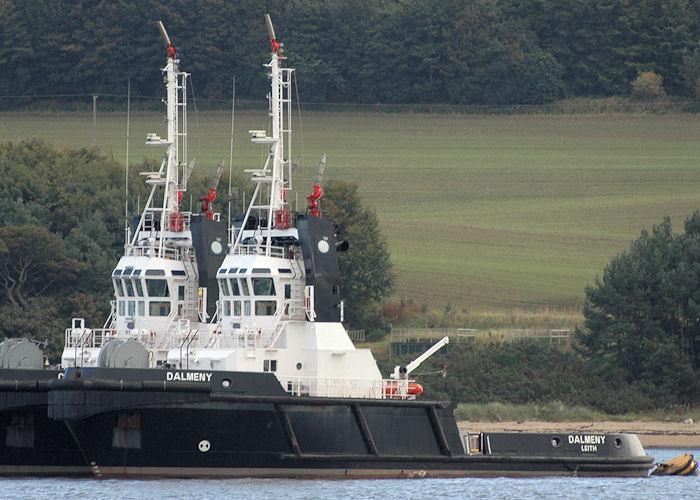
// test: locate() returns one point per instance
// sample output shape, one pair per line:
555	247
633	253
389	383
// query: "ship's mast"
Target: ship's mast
168	176
277	99
272	175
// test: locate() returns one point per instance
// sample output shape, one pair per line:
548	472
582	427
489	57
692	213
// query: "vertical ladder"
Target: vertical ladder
297	306
189	311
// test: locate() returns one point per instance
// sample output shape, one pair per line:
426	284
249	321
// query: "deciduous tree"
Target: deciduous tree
365	268
34	263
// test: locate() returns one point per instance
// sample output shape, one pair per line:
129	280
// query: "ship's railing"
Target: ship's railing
350	388
253	249
86	337
184	334
239	338
82	337
112	318
148	251
152	222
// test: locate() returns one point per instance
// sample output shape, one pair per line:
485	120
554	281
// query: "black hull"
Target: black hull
31	444
145	427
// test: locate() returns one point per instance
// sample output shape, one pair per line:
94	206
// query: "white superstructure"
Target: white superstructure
279	309
159	298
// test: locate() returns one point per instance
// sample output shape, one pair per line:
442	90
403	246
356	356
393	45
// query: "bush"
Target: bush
554	383
648	85
375	335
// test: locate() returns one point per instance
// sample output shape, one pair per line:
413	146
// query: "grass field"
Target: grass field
480	211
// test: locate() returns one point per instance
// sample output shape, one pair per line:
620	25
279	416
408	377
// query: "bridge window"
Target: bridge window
269	365
129	287
142	308
138	287
155	272
227	308
121	311
159	308
157	288
236	307
180	292
287	291
118	287
265	307
246	308
234	287
244	286
263	286
132	308
224	286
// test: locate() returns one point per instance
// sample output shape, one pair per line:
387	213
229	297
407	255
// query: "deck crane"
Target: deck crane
208	199
317	192
402	372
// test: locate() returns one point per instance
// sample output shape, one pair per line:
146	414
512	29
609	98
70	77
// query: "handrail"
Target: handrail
350	387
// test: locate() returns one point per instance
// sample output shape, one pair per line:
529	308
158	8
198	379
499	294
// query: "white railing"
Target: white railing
82	337
86	337
149	251
350	388
258	249
151	222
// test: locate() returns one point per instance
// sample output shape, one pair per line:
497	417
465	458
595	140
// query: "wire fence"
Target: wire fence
405	341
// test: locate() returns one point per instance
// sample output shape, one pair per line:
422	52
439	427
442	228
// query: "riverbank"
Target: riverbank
651	434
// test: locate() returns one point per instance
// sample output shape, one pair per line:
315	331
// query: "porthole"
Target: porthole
204	446
226	383
298	366
617	442
556	442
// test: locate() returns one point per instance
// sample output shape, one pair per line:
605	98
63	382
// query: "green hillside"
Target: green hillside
479	211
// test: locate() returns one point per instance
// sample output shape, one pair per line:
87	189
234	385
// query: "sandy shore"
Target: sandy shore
651	434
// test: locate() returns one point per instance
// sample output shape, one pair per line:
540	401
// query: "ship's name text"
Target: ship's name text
589	442
189	376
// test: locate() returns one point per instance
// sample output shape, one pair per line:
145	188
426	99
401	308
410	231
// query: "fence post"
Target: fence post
94	119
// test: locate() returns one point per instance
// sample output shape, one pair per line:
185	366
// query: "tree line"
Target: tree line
360	51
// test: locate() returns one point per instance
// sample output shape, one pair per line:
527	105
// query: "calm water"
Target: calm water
383	489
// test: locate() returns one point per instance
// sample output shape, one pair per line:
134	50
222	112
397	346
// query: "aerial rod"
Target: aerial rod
271	31
163	32
168	43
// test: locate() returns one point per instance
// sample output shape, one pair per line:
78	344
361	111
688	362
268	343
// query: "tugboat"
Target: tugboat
277	389
165	283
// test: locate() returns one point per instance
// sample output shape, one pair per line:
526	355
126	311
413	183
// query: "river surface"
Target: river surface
380	489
